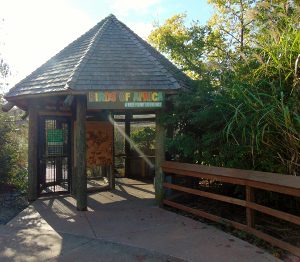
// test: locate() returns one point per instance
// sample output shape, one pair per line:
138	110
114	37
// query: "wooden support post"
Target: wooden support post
159	159
111	177
113	182
33	153
73	170
169	179
249	212
127	145
81	192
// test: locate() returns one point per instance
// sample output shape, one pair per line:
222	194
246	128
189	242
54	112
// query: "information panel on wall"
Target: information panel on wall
55	142
125	100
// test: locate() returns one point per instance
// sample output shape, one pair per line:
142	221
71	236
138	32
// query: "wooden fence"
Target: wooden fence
252	180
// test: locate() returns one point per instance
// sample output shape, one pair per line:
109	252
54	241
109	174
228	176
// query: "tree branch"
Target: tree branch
227	32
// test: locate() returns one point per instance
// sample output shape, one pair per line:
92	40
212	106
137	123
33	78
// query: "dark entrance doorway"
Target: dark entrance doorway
134	145
54	155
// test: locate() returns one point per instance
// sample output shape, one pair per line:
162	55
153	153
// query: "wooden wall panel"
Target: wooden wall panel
99	142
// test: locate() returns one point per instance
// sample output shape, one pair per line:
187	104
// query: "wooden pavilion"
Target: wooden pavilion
109	70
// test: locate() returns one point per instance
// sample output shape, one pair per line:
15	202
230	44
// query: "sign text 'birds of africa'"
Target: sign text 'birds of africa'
127	99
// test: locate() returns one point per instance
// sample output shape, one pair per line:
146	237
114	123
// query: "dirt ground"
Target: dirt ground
12	202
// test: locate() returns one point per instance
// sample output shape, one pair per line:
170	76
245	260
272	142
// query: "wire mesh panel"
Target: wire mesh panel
54	175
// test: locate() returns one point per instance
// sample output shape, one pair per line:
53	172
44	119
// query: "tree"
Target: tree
183	45
13	148
244	108
268	113
233	23
4	68
13	140
144	138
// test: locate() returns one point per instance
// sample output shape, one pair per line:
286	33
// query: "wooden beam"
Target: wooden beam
203	175
286	181
169	178
111	177
8	106
33	153
68	101
250	205
54	113
73	148
197	192
81	192
205	215
284	184
136	120
127	144
251	180
273	241
24	116
276	213
159	159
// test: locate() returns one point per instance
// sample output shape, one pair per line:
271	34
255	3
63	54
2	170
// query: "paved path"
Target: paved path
121	225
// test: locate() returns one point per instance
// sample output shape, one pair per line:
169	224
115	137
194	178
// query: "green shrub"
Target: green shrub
144	138
13	150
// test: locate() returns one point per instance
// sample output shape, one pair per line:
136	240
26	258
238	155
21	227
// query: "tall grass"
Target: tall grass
268	115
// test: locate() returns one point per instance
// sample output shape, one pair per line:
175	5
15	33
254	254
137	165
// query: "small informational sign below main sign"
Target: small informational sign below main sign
125	100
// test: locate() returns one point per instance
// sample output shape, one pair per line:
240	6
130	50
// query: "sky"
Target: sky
32	31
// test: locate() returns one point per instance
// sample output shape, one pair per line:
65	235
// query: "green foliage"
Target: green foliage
144	138
279	46
268	112
181	44
233	24
13	140
119	140
243	110
13	150
4	68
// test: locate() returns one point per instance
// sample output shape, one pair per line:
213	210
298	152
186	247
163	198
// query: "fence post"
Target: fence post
249	212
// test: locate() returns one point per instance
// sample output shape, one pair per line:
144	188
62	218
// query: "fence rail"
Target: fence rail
252	180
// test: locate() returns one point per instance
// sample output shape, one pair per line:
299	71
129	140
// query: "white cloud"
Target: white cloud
141	29
35	30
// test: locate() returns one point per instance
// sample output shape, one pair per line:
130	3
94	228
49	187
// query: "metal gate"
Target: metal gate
54	155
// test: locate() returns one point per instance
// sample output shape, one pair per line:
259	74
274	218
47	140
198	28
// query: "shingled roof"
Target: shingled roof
108	57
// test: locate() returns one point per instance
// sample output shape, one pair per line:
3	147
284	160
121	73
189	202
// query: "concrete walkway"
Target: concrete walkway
120	225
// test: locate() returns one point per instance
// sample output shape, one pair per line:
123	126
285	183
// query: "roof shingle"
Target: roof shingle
108	56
